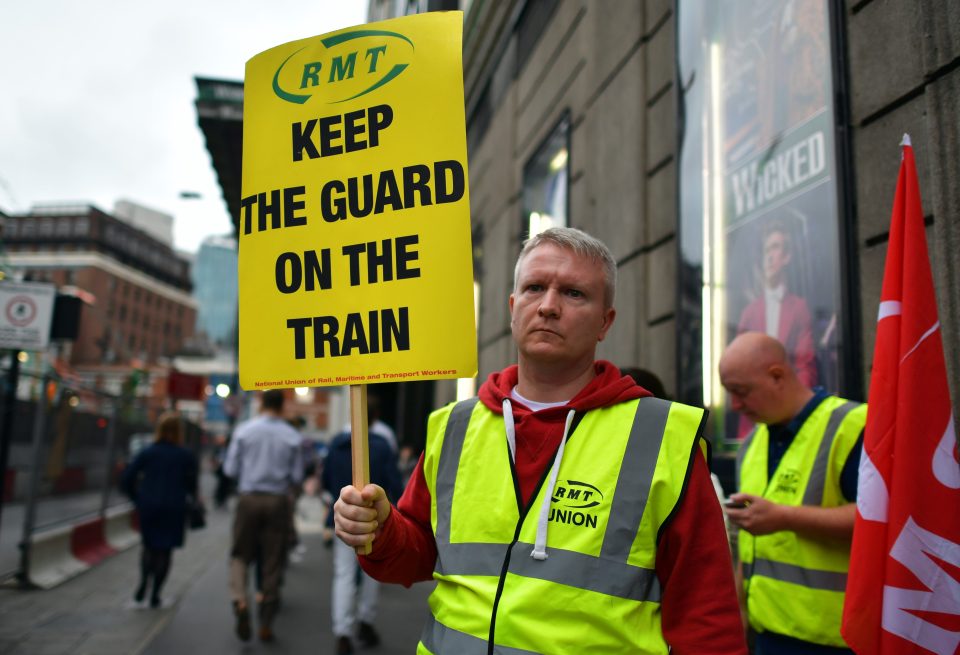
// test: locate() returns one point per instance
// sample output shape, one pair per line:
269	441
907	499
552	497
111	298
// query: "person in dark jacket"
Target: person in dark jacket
350	584
160	480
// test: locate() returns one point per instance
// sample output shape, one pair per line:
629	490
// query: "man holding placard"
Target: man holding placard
565	510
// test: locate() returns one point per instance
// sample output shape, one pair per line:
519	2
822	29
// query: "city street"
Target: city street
89	614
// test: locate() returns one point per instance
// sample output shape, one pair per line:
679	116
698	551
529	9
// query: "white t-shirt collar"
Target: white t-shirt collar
533	404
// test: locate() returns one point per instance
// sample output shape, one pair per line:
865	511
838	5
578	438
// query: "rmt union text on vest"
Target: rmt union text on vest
572	517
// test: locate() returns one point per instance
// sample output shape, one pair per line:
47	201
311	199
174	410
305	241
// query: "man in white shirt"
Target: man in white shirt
266	460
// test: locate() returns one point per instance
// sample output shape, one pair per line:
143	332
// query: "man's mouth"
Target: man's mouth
547	330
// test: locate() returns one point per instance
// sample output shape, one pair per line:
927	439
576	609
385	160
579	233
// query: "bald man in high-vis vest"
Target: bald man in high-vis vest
796	504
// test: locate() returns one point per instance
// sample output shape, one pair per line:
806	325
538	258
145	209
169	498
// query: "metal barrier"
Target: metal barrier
69	444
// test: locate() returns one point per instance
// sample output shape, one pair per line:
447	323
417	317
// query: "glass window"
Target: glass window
545	198
759	211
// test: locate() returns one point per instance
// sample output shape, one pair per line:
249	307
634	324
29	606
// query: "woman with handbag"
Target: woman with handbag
162	482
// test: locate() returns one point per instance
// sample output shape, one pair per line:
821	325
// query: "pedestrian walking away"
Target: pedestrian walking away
160	481
796	504
565	510
354	593
265	458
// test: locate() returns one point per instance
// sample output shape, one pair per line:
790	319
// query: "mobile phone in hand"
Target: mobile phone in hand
734	504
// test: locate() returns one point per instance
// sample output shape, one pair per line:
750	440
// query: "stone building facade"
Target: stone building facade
608	72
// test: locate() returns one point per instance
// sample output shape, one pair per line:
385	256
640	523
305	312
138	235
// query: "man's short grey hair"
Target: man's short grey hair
579	242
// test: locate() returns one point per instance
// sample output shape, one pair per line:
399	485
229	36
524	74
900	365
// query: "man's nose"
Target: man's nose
549	305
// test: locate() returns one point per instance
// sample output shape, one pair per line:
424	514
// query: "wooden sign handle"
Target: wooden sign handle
359	443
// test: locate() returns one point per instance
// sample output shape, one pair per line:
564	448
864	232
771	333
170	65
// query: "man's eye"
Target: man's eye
574	293
534	287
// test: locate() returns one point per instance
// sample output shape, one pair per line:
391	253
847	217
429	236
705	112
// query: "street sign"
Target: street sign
26	311
355	261
184	386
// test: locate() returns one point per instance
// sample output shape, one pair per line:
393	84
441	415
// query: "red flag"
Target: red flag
903	589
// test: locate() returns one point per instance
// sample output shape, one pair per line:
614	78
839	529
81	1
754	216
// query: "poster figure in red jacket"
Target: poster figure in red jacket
778	312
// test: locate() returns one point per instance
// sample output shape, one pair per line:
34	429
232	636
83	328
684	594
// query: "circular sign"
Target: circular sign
21	310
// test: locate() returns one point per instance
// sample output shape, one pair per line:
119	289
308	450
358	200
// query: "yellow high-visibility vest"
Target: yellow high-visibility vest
795	585
621	476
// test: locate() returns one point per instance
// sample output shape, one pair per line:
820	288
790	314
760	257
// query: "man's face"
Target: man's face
558	310
775	257
754	392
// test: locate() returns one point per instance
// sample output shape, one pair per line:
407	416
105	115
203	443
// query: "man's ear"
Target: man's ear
608	317
777	372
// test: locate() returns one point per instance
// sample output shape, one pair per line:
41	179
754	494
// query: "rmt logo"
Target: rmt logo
577	495
343	66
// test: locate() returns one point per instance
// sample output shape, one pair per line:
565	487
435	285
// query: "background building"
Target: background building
138	310
214	275
157	224
629	120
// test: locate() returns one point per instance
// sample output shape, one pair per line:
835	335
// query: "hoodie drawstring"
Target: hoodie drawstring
511	430
540	545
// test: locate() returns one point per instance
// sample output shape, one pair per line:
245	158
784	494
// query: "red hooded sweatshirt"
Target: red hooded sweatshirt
700	613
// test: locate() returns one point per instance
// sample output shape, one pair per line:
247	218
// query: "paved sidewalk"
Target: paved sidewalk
87	615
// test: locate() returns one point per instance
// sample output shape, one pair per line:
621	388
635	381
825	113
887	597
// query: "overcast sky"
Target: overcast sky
96	98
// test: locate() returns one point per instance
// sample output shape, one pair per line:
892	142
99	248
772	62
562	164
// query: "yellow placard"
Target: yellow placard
355	257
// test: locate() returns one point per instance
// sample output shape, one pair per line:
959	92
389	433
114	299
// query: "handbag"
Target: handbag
196	514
